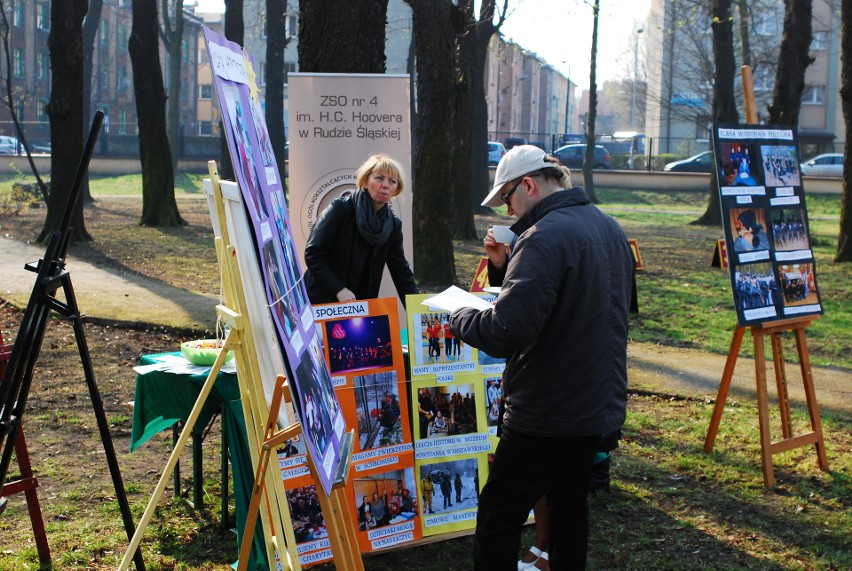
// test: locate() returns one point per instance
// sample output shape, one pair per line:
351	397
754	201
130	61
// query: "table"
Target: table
162	399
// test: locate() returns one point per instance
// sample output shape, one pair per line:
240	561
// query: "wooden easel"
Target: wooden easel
241	340
335	509
774	330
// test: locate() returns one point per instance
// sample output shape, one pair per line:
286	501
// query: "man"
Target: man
561	322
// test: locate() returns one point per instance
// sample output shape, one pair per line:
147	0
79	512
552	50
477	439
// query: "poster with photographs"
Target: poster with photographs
765	220
312	542
363	347
263	195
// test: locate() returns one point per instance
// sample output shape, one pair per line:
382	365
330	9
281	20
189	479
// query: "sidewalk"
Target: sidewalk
125	297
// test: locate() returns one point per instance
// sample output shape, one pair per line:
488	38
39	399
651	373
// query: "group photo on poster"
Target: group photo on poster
781	165
450	486
358	343
798	284
385	499
738	166
378	410
446	410
789	232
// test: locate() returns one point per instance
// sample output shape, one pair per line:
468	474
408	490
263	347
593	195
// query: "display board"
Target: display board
765	220
262	189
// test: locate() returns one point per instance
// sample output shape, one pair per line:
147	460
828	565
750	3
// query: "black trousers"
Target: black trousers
524	469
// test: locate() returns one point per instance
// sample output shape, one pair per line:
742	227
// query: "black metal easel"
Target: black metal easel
17	381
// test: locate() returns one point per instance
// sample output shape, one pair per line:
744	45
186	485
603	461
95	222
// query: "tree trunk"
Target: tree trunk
90	33
276	43
434	44
724	104
745	44
234	31
485	28
462	209
589	161
65	110
844	244
158	191
342	36
173	40
793	60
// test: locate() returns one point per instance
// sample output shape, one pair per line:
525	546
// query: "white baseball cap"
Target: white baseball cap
519	161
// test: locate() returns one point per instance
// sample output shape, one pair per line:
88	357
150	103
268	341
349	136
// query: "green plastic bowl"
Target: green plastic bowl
203	351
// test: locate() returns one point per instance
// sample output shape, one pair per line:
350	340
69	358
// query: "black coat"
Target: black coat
338	257
560	320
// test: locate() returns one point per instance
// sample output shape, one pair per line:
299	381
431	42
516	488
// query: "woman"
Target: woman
356	236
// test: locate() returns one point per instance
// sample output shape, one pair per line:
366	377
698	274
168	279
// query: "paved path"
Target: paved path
103	294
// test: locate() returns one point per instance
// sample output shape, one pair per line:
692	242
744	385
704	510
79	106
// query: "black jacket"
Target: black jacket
337	256
560	320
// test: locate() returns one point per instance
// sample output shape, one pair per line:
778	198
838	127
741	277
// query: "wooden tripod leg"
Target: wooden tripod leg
781	384
724	387
763	408
810	396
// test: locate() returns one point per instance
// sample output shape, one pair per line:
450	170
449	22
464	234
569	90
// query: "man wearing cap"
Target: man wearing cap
560	321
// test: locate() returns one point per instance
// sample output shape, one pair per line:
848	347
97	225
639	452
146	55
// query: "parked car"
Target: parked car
828	164
9	145
572	156
510	142
702	162
495	152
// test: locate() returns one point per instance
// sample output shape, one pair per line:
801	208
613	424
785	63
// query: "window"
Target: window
122	122
205	127
184	51
41	115
205	91
18	62
43	16
261	76
813	95
819	41
289	67
121	84
104	77
18	14
122	38
291	26
103	33
41	66
764	79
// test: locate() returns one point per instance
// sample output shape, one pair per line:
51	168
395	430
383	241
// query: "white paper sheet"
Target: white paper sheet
453	298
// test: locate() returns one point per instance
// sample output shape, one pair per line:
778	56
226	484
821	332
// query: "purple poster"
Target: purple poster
263	194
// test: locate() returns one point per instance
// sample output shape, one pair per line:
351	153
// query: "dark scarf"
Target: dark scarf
374	226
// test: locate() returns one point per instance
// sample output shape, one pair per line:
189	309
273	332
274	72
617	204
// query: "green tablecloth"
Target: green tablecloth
162	399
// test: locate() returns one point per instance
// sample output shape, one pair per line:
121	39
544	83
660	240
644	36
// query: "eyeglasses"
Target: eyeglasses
505	196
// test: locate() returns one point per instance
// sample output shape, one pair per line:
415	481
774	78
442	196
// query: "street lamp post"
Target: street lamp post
633	95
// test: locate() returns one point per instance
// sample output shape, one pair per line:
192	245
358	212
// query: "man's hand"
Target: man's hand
497	252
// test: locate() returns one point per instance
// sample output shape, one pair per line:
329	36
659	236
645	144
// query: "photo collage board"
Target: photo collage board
765	220
262	190
455	396
363	348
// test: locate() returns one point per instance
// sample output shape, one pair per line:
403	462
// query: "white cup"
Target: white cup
503	234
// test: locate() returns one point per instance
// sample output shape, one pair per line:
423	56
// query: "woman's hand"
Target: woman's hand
345	295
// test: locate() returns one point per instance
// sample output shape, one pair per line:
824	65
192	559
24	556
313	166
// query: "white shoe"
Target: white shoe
524	565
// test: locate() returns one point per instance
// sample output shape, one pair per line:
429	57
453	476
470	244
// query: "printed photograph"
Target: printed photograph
449	486
437	342
278	293
755	286
748	228
740	165
385	499
798	284
789	232
292	447
359	343
781	165
305	510
377	410
290	263
446	410
245	166
317	417
493	399
266	154
486	359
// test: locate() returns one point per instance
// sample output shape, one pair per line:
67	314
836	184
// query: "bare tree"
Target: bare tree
235	32
65	110
793	60
276	42
844	244
172	34
10	99
436	24
158	186
589	160
724	104
90	32
357	43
